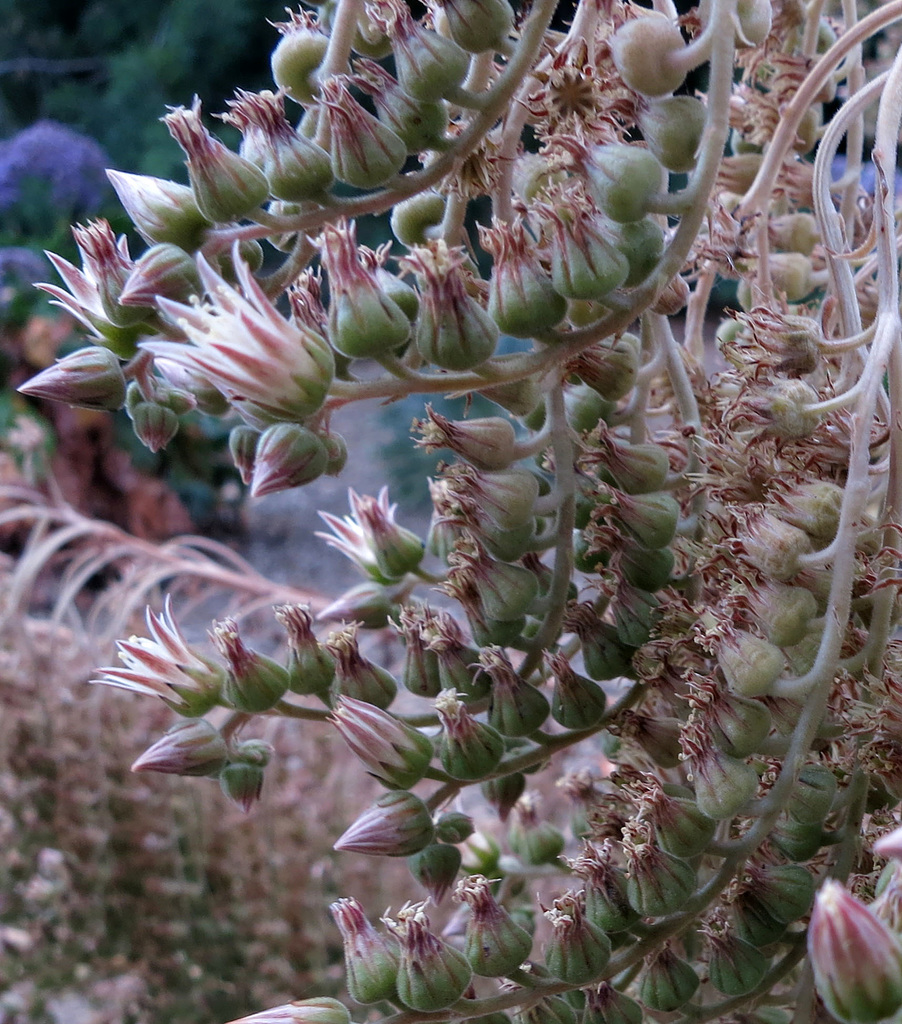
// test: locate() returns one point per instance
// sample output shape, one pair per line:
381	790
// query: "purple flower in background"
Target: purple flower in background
20	265
73	165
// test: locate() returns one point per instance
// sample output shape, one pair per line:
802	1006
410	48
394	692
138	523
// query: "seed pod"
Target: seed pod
242	784
649	570
532	840
798	840
753	21
783	613
578	950
503	793
657	882
668	982
634	468
785	891
435	868
735	967
814	508
522	300
419	125
672	126
753	923
722	784
646	52
750	664
623	179
488	443
738	726
610	370
254	682
577	702
364	152
370	961
680	827
468	749
311	668
650	518
357	676
493	944
479	25
431	974
429	66
605	1005
585	262
586	409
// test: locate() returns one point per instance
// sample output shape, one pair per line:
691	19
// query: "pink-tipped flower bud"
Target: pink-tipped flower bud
494	944
396	825
363	321
668	982
419	125
610	369
162	211
355	675
578	950
522	299
857	960
650	518
516	708
468	749
243	441
255	682
431	974
242	783
164	270
577	702
298	55
295	168
453	330
429	66
394	753
154	424
90	378
311	668
371	962
190	747
453	827
287	456
722	783
735	967
225	185
435	868
647	53
503	793
370	605
364	152
320	1010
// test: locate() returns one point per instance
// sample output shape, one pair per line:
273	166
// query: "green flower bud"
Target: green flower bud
605	1005
505	591
154	425
750	664
479	25
453	827
431	974
493	944
396	825
522	301
672	127
453	331
225	185
642	243
90	378
419	125
784	891
311	668
488	443
298	55
577	702
435	868
657	882
550	1010
668	982
364	152
532	840
586	408
738	726
503	793
797	232
722	783
622	179
578	950
812	794
412	218
468	749
857	961
647	53
646	569
753	19
242	784
370	961
814	508
355	675
287	456
680	827
635	614
753	922
165	270
607	904
190	747
254	682
634	468
735	967
393	752
798	840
